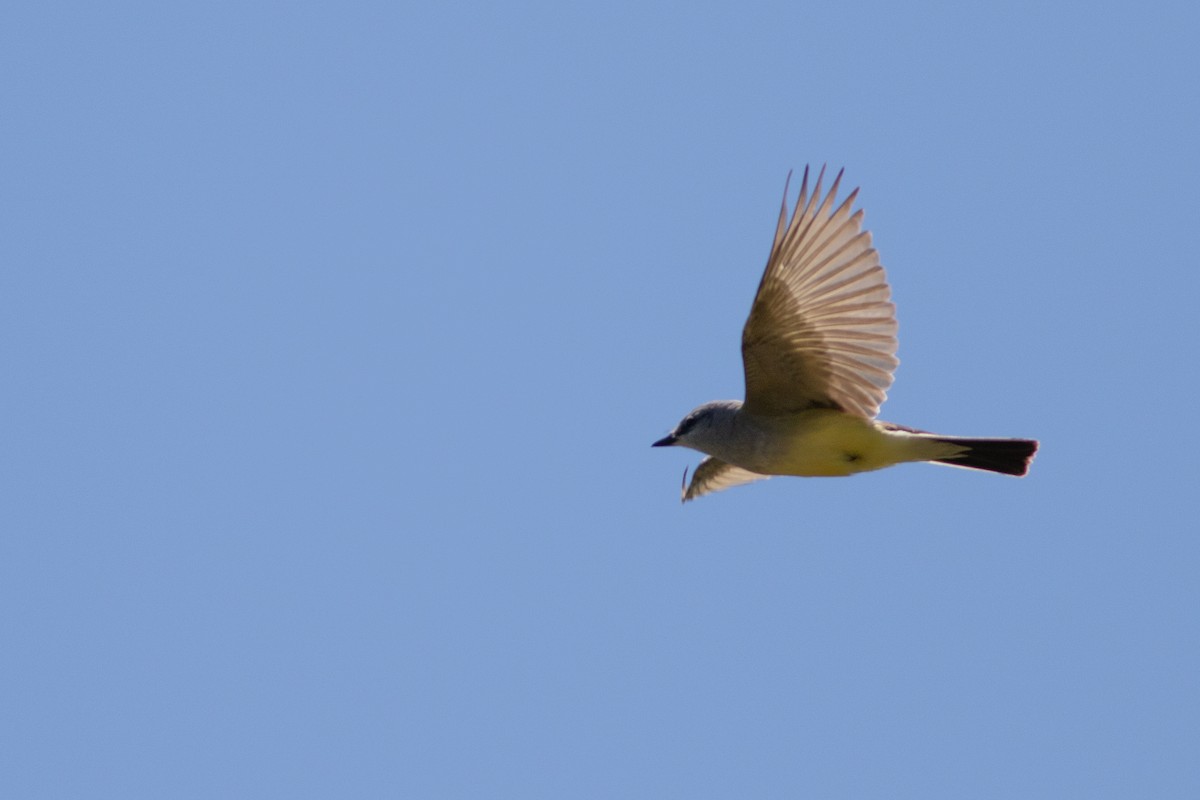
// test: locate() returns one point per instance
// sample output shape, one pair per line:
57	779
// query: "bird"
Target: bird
819	354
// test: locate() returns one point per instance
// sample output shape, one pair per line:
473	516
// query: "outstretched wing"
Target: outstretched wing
822	330
713	475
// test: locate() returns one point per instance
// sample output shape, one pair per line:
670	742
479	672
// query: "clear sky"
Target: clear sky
335	337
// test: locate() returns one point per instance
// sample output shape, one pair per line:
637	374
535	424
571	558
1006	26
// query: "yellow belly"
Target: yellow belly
826	443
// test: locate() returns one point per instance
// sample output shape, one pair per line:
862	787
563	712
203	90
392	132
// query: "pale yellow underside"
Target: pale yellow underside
828	443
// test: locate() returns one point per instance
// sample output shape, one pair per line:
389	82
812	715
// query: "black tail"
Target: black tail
1009	456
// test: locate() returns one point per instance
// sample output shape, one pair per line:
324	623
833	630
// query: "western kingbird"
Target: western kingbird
819	351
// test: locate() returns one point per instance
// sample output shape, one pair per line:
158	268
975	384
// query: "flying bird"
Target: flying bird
819	350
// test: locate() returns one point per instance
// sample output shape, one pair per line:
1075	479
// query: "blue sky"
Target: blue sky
336	337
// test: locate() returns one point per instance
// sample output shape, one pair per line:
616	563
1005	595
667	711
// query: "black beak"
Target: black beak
666	441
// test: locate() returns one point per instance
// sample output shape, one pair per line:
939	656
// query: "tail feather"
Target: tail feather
1008	456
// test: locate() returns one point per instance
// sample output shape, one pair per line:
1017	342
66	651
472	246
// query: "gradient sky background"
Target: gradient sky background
335	337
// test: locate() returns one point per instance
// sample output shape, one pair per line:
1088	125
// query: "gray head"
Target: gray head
703	427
